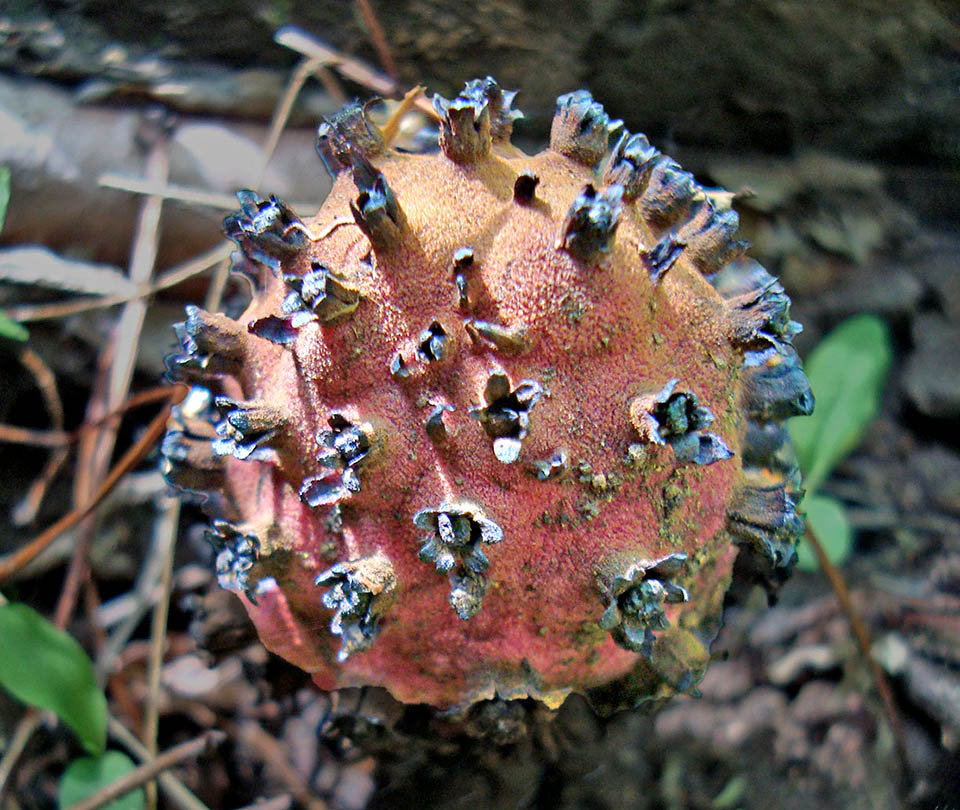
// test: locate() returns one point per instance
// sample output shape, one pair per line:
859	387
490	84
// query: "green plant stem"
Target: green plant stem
862	635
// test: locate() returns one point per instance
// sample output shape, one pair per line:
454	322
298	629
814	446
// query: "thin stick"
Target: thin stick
37	438
862	635
28	724
62	438
167	191
296	39
158	634
379	39
284	107
13	562
172	788
392	126
269	750
149	770
27	509
171	278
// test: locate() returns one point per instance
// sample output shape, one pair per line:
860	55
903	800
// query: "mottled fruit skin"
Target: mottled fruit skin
493	425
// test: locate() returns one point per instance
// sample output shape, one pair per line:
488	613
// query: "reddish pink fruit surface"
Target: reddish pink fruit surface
493	425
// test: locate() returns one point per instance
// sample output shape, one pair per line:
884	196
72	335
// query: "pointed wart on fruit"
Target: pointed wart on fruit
457	531
189	461
347	133
462	262
774	385
236	554
635	595
265	230
376	210
358	593
507	339
435	426
317	296
525	187
661	257
669	192
581	129
760	314
246	430
675	418
709	237
549	468
210	345
342	448
631	164
506	416
433	343
467	589
766	517
591	223
480	115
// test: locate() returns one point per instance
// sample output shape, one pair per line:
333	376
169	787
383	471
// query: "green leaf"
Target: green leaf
9	328
4	193
47	668
84	777
827	519
847	371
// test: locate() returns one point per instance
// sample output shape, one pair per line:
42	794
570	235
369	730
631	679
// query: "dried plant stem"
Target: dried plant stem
150	770
862	635
14	561
168	520
392	126
296	39
62	438
271	752
281	114
378	38
28	724
171	278
178	793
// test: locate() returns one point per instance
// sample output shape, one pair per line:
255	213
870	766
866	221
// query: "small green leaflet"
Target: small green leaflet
4	193
827	519
84	777
847	371
47	668
8	328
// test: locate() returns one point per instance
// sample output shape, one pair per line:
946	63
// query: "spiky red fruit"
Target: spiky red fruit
493	425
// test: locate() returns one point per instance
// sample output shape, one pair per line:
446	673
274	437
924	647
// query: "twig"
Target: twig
149	770
168	191
281	114
379	39
28	724
172	788
168	520
171	278
62	438
296	39
862	635
13	562
46	381
282	802
392	126
37	438
271	752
